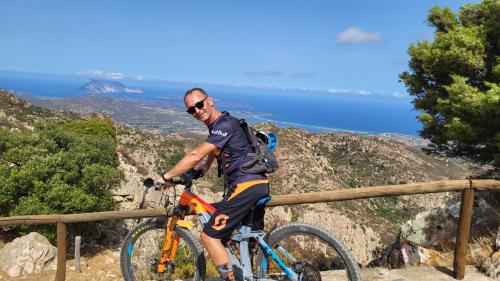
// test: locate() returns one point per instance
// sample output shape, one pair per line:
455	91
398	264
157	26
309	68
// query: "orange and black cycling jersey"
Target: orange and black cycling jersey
226	134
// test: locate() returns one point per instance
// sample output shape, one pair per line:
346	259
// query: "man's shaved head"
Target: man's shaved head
195	90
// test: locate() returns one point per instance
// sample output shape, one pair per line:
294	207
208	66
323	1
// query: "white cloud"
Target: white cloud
101	74
354	35
141	77
114	75
349	92
338	91
399	95
364	93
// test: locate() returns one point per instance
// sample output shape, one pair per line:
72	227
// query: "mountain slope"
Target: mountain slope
17	113
96	86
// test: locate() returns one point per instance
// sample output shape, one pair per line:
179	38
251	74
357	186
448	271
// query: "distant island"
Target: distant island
95	86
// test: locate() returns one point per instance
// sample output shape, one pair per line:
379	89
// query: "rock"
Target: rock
491	265
435	227
109	260
497	243
382	272
110	274
118	199
122	193
496	255
417	255
31	253
406	253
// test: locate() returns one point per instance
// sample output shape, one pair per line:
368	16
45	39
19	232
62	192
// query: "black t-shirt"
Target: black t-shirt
226	134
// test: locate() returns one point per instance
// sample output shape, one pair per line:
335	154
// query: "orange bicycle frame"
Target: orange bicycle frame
188	202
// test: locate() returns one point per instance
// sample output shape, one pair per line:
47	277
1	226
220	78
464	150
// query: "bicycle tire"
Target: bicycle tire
157	226
282	233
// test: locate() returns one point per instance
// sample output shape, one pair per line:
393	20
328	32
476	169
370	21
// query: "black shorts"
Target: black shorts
235	207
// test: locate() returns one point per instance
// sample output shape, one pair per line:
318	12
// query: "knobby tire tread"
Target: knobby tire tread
155	224
284	231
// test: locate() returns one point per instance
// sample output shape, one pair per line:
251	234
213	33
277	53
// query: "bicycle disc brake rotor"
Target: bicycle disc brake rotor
168	271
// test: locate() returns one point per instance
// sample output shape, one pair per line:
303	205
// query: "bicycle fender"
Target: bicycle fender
185	224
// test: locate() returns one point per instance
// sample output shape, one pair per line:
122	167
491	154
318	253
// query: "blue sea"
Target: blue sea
312	110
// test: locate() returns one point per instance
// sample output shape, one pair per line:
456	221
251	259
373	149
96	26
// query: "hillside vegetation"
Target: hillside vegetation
59	165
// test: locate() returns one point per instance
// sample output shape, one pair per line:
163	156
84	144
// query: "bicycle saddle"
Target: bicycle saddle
263	201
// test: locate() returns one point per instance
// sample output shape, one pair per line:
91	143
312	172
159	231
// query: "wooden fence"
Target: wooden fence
467	187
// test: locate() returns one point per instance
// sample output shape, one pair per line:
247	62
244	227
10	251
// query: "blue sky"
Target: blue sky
340	46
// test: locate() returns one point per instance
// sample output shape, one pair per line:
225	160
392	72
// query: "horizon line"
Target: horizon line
329	91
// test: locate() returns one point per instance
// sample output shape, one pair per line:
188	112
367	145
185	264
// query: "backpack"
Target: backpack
262	159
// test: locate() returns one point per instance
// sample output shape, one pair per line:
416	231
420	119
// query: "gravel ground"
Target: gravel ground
105	266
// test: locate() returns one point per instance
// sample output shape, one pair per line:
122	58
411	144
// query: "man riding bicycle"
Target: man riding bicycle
228	144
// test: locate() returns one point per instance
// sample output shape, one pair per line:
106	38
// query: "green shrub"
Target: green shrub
94	127
58	169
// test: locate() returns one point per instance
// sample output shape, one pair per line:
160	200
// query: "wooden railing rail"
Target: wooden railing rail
467	187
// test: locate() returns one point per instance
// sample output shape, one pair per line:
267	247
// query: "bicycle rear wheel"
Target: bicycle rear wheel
311	252
142	250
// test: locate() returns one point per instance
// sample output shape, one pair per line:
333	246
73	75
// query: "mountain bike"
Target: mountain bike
166	248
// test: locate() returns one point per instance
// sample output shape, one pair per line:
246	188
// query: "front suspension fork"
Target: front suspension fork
171	242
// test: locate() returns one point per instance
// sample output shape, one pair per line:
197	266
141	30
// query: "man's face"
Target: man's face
195	97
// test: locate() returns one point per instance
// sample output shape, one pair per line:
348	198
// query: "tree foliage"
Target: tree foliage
454	80
58	169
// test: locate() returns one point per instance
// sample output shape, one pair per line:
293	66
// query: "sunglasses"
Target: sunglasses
192	109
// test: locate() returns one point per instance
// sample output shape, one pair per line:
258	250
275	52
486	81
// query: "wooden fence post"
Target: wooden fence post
78	242
463	229
61	251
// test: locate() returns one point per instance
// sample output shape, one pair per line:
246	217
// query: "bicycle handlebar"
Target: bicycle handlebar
185	179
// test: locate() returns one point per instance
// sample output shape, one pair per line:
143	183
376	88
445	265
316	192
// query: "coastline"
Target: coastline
252	117
311	128
412	140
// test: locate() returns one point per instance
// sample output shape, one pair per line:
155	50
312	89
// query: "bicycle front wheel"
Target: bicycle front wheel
142	250
311	252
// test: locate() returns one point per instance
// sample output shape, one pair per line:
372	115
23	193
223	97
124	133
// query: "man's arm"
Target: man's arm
192	158
208	163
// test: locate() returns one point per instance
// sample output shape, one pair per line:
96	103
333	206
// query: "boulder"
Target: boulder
28	254
417	255
438	227
406	253
491	265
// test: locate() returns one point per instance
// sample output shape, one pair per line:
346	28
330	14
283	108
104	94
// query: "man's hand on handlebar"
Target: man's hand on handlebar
160	183
185	179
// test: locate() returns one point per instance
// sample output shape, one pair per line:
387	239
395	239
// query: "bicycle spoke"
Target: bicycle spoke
310	257
146	255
